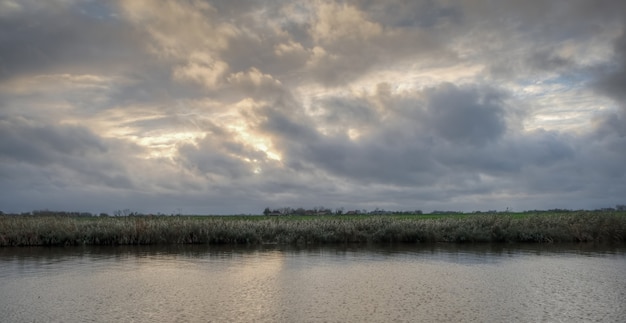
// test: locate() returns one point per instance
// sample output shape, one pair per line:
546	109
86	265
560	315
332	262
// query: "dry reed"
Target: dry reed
570	227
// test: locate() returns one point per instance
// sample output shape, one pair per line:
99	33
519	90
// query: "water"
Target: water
445	283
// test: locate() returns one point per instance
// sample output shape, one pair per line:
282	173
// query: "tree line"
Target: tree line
321	210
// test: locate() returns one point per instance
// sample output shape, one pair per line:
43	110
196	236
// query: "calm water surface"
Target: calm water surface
446	283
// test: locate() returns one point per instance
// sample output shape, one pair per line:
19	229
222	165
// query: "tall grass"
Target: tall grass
570	227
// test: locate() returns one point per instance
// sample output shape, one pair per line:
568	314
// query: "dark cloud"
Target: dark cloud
613	82
218	157
25	141
401	149
345	112
409	14
63	154
466	116
550	61
49	38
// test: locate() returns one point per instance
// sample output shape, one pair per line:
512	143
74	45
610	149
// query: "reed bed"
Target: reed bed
551	228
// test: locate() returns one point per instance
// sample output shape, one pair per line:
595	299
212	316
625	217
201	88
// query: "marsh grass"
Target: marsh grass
544	228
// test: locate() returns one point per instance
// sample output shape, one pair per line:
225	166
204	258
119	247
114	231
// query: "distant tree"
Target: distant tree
285	210
267	211
124	212
318	209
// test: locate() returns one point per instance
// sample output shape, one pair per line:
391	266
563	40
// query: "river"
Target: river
398	283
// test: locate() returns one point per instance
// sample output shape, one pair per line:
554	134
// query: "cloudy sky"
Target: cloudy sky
224	107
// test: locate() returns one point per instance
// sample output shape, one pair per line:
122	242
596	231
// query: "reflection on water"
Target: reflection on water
427	283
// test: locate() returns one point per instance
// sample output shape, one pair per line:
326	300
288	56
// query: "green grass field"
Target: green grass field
542	227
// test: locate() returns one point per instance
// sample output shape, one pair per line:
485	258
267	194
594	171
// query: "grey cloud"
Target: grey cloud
580	166
512	156
606	158
268	38
349	44
407	14
239	8
612	124
611	82
613	85
519	40
150	81
545	148
398	150
466	115
405	151
221	158
344	112
282	126
65	154
42	144
50	38
210	161
548	61
332	69
546	19
256	37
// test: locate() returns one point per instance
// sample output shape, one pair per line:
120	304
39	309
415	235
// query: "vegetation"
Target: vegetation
548	227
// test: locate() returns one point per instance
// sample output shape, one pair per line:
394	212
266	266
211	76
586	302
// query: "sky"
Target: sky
228	107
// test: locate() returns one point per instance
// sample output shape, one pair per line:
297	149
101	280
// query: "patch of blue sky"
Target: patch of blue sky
560	83
96	9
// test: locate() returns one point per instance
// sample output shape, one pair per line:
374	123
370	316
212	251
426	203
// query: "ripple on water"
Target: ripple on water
279	284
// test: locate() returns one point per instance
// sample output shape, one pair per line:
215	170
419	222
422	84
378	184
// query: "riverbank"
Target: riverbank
597	227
